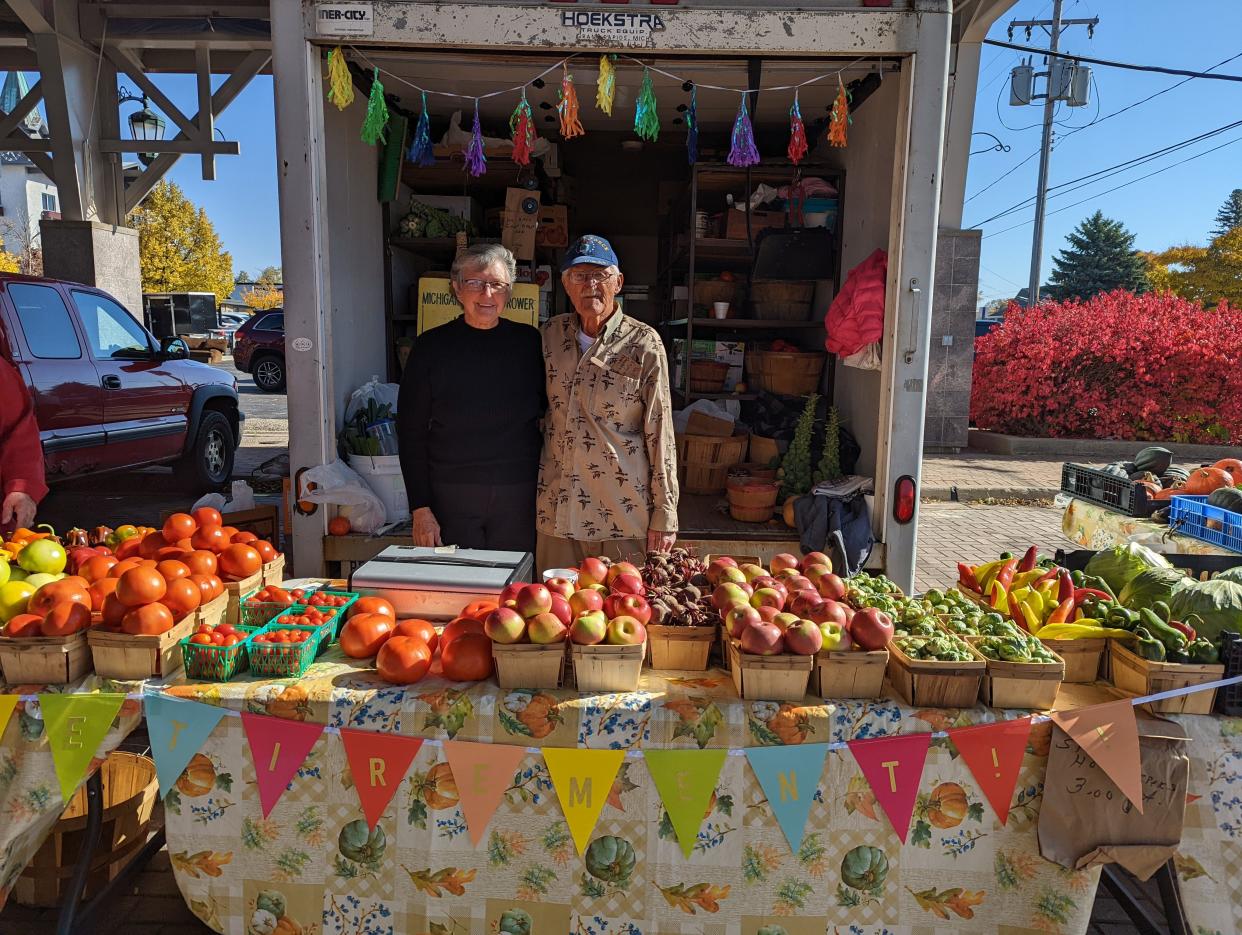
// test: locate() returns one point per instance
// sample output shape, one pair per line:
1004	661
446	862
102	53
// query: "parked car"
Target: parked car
107	395
229	323
259	349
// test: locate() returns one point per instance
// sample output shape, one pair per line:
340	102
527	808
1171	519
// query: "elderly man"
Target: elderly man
608	481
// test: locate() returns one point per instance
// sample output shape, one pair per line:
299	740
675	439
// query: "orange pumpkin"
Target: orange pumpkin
1205	480
1232	467
947	806
199	777
286	926
439	789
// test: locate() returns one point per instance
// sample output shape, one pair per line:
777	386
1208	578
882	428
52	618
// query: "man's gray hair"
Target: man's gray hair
481	256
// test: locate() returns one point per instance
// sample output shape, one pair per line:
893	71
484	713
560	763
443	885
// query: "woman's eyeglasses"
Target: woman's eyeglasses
478	285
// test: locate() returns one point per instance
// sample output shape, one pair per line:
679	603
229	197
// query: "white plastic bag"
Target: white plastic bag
373	389
241	497
866	359
338	484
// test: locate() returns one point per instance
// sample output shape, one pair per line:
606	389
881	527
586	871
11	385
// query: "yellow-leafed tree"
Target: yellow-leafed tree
178	246
265	297
1209	275
9	263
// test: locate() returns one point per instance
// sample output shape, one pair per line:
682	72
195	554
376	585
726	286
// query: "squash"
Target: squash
1120	469
1227	498
1232	467
1174	475
1144	476
198	778
947	806
1205	480
1151	488
1156	460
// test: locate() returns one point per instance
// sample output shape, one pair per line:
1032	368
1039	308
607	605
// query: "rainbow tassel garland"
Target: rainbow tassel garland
376	120
421	153
522	126
692	127
567	107
742	152
646	119
606	84
340	85
837	126
476	160
797	133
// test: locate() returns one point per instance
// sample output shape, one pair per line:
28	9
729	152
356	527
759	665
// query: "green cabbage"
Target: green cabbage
1121	563
1154	584
1217	602
1232	574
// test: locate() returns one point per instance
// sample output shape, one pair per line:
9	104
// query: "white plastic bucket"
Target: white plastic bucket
383	475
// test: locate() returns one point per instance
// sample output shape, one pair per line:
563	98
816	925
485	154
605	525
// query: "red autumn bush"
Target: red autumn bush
1140	367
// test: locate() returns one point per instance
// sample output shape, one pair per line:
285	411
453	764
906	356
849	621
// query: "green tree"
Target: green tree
242	276
1230	214
178	247
270	276
1100	257
1208	275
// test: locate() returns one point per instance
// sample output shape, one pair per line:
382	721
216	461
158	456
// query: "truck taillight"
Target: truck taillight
905	498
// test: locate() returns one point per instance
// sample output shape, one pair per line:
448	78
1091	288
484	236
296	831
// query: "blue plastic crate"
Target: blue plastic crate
1195	517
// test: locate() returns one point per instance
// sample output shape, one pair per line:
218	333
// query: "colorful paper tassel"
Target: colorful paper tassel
421	153
606	84
838	125
376	120
692	126
797	133
567	107
340	85
476	160
522	126
646	119
742	152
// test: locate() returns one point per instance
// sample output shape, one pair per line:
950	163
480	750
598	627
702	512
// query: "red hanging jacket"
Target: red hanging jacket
21	454
856	316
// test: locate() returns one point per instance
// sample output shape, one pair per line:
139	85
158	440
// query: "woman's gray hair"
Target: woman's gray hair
481	256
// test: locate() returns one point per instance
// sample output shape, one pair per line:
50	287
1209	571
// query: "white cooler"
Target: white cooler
436	583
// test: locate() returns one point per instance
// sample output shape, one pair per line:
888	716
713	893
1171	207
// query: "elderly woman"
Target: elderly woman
468	416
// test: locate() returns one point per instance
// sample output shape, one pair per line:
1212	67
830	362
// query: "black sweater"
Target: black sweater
469	407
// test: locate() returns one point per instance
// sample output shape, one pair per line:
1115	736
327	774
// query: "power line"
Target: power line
1157	69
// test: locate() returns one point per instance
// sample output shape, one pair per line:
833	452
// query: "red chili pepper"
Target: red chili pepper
1186	631
1015	610
966	577
1004	577
1081	594
1028	560
1062	613
1065	586
1051	573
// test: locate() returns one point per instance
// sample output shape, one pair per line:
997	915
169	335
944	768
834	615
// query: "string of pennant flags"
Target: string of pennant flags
524	133
685	779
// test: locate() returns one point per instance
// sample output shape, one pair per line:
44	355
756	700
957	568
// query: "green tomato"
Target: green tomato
43	555
14	596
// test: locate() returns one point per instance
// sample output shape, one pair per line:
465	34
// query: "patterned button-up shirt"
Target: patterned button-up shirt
609	458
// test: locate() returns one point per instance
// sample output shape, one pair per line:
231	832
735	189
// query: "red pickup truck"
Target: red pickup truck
107	395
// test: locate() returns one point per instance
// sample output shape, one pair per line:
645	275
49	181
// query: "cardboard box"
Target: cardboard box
521	219
437	305
735	223
553	229
731	352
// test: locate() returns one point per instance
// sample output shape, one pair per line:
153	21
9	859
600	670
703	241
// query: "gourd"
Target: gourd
272	901
1232	467
359	843
611	859
199	777
1205	480
1156	460
947	806
1227	498
515	922
1174	475
1145	477
864	868
1119	469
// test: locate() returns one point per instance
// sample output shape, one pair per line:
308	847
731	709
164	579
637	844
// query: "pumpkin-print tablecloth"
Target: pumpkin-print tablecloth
1096	527
313	863
30	799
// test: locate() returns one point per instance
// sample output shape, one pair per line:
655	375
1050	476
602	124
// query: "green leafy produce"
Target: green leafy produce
426	221
1152	585
829	468
1018	647
1218	603
795	470
945	648
1122	563
996	625
1231	574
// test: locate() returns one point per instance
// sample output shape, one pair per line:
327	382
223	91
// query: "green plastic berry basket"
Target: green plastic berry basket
216	663
340	610
284	660
327	630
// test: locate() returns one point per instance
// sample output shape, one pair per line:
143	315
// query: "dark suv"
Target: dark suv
259	349
107	395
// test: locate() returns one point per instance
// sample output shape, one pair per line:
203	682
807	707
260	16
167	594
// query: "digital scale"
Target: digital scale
436	583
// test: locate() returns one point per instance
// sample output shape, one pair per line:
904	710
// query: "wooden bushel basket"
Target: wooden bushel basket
932	683
529	665
212	613
684	649
704	461
274	571
1083	657
787	373
606	668
236	591
769	678
849	674
1135	675
138	656
1020	684
45	660
130	788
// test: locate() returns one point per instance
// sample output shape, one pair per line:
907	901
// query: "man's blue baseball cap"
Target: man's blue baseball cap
590	249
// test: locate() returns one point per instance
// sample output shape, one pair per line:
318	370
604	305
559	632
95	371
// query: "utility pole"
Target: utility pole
1062	80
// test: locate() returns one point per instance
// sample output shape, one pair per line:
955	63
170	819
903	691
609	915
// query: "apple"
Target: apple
871	628
731	573
803	638
589	628
768	613
547	628
627	605
739	618
504	625
562	586
561	609
717	567
767	581
728	594
763	639
782	561
830	612
534	599
591	571
585	599
619	569
832	587
814	572
803	602
510	592
600	588
836	638
752	571
815	558
628	584
785	620
797	582
768	597
625	631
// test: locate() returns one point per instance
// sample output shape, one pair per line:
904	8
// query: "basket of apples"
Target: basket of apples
607	651
528	632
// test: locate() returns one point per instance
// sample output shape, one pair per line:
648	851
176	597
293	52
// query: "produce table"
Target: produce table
960	867
1096	527
30	801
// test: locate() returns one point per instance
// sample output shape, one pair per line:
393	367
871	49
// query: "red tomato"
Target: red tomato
210	538
170	553
100	590
151	543
478	610
126	564
372	605
403	660
184	544
24	625
266	550
179	526
128	548
66	618
422	629
226	628
468	658
207	516
96	567
245	537
112	612
202	639
172	569
141	585
231	640
182	597
229	532
239	561
148	620
201	562
460	627
66	589
362	636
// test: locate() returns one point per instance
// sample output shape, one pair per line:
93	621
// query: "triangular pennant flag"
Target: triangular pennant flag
994	754
278	748
7	704
582	779
1108	733
482	772
378	762
894	768
75	725
686	780
790	778
177	730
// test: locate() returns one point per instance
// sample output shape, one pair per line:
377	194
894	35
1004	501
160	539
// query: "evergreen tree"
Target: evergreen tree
1100	257
178	247
1230	214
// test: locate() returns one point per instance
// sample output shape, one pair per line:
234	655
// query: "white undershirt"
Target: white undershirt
584	341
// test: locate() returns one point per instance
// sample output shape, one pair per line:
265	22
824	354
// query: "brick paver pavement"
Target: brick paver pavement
979	474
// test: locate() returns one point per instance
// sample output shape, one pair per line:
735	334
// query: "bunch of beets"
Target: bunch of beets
678	591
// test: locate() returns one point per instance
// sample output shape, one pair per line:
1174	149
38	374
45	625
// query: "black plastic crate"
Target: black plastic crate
1197	565
1229	698
1084	482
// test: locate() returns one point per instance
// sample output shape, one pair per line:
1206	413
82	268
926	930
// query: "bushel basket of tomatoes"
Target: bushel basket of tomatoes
216	653
283	651
323	621
270	601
